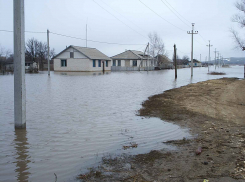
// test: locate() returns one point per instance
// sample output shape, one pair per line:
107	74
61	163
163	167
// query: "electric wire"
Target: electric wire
160	16
202	38
175	13
179	15
119	19
25	31
121	15
91	40
73	37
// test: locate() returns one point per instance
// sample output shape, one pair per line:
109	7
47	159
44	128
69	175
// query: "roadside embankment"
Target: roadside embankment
214	112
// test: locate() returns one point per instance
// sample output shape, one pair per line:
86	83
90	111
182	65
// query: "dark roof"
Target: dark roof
164	58
91	53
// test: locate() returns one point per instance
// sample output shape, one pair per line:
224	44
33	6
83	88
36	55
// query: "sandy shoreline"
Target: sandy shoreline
214	111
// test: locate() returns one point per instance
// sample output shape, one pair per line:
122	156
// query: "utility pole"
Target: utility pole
209	53
215	58
148	56
142	61
218	59
192	33
48	53
175	61
19	65
200	57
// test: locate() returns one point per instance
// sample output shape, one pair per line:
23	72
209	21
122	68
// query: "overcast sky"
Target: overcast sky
127	22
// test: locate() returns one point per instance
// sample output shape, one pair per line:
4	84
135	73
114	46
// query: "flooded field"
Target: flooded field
74	119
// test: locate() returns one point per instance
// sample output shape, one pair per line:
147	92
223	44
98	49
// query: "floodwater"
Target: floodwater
74	119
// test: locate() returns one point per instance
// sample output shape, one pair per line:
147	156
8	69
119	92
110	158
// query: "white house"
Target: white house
196	63
75	58
131	60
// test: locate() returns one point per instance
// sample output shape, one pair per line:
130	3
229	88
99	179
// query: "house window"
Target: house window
99	63
71	54
94	63
106	63
63	63
134	63
119	63
114	62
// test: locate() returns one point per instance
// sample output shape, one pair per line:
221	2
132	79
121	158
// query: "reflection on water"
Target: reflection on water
22	157
76	118
82	73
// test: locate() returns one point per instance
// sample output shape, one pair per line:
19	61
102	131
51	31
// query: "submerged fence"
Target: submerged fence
124	68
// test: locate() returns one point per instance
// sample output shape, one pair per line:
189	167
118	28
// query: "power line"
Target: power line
202	37
175	13
91	40
6	31
25	31
178	16
181	16
198	41
119	19
160	15
121	15
35	32
10	31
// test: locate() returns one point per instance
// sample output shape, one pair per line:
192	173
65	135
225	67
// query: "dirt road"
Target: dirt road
214	111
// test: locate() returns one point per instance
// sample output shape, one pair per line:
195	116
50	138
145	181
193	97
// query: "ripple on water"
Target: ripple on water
74	119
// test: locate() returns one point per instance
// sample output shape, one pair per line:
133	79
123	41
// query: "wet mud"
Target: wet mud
214	113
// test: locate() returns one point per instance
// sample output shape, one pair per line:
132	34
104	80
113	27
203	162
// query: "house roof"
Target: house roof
91	53
196	61
130	54
165	59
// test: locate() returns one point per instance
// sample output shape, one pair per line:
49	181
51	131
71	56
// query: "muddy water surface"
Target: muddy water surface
74	119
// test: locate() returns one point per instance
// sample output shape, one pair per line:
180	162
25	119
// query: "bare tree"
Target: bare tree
37	51
4	57
240	42
4	53
52	53
32	50
240	19
185	60
156	45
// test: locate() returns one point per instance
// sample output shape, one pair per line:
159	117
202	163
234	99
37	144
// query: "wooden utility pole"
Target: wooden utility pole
175	61
142	60
48	53
192	33
19	65
148	57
